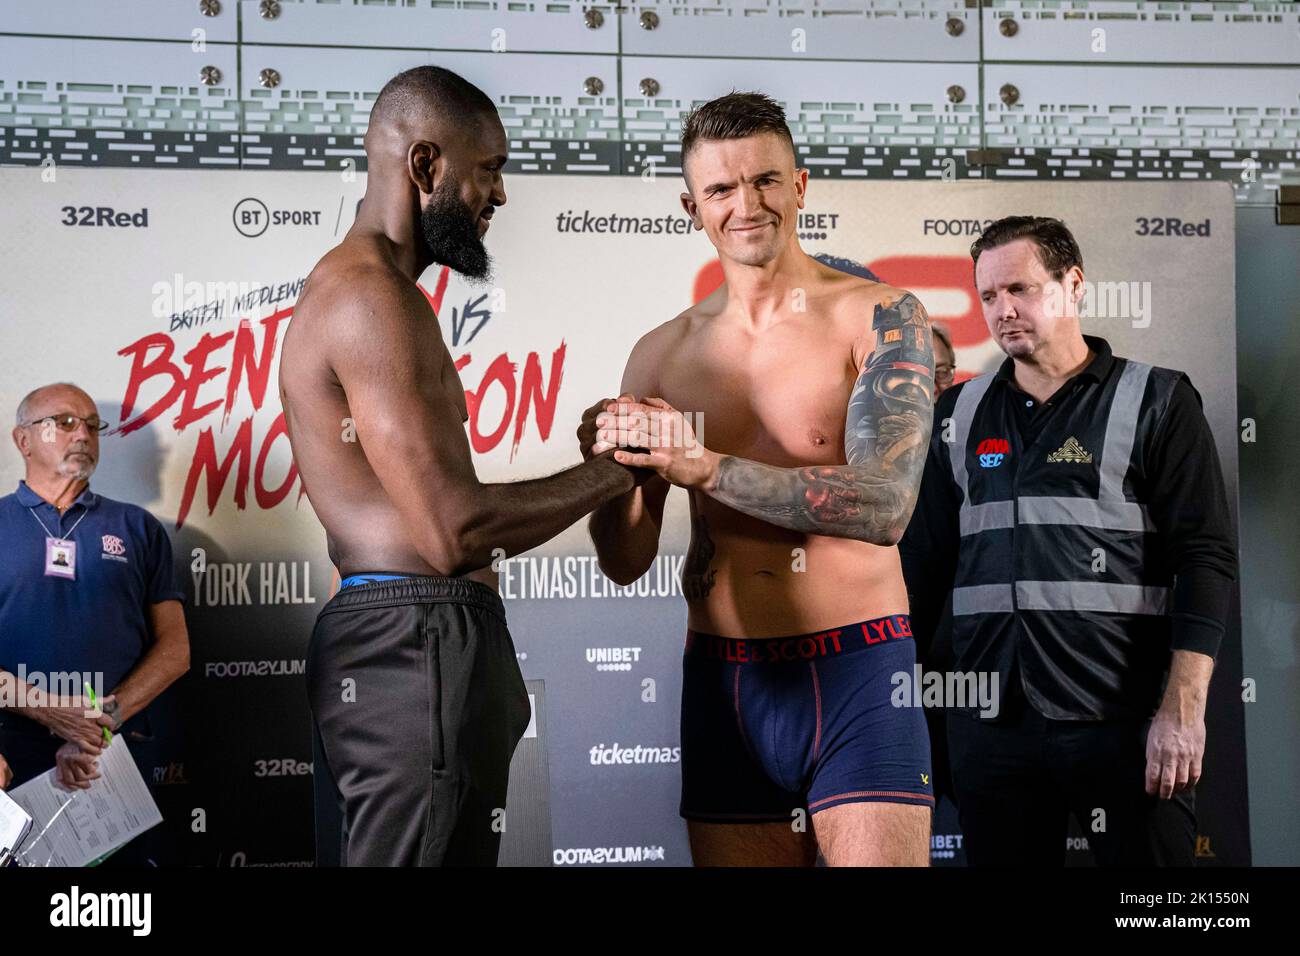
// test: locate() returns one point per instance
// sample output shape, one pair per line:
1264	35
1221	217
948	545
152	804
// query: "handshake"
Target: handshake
653	435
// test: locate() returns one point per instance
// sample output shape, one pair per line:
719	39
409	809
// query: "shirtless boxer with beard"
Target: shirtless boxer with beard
417	700
816	390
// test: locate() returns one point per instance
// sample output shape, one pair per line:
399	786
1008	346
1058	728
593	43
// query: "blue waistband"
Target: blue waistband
352	579
375	589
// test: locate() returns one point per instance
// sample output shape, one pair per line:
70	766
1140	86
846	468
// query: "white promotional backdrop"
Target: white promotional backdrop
166	295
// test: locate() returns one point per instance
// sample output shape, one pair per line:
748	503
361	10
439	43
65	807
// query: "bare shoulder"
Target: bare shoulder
355	303
662	338
654	350
346	281
855	296
861	304
855	303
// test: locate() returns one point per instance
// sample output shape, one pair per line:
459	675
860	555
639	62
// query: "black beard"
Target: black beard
450	231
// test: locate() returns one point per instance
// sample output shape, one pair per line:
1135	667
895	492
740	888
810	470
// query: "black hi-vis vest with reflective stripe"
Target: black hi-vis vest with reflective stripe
1058	557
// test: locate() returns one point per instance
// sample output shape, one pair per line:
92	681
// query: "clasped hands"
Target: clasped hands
650	434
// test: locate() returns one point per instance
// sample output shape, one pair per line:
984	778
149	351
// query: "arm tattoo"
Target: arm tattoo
886	436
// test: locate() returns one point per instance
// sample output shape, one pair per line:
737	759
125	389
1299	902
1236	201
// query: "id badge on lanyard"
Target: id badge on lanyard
60	553
60	558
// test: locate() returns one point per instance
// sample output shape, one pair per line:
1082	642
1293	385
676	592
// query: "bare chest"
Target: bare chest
781	401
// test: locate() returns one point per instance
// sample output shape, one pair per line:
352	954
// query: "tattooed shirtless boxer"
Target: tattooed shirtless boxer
816	388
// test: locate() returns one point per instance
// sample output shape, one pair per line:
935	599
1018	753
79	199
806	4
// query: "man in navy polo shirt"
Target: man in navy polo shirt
87	588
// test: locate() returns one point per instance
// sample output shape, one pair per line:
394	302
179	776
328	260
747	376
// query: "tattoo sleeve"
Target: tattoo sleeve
886	436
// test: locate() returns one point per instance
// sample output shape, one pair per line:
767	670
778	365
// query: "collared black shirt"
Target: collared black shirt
1031	414
1187	504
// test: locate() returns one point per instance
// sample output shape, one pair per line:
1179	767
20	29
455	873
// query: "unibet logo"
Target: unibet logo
613	658
1071	451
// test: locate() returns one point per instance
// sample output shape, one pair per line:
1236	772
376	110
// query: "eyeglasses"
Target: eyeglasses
66	422
944	373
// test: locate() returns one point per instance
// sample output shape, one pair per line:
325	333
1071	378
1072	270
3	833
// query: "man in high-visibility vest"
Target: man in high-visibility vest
1073	503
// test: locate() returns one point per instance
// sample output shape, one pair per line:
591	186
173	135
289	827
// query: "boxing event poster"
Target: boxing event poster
166	295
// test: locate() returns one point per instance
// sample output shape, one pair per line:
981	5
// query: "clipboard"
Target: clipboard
15	826
83	827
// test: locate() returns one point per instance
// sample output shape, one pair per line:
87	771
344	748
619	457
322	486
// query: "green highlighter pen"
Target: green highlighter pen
94	702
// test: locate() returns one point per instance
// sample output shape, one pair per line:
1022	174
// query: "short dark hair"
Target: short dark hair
435	89
734	116
1056	246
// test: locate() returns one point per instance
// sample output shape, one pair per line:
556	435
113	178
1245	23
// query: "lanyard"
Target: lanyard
32	512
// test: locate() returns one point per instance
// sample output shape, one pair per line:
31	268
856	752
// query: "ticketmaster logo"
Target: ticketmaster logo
546	578
606	854
614	224
254	668
602	755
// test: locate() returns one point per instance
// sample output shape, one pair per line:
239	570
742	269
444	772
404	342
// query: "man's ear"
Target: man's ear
20	441
801	185
1076	284
692	210
423	165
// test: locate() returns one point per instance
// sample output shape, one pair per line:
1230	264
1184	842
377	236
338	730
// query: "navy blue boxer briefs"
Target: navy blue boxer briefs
773	725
